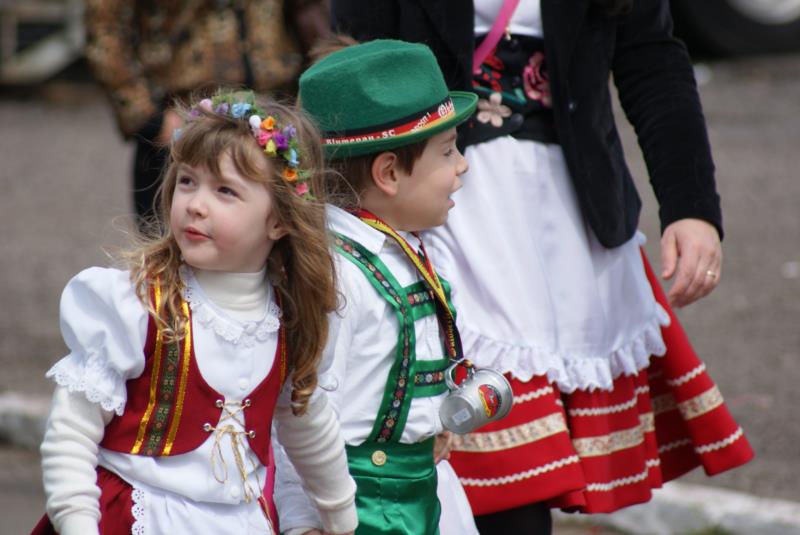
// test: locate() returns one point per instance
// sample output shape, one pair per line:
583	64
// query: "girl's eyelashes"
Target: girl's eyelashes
184	180
225	190
449	152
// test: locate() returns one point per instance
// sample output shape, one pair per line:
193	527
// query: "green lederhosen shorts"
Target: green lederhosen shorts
396	491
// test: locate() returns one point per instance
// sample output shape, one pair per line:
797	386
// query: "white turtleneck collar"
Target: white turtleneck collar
243	296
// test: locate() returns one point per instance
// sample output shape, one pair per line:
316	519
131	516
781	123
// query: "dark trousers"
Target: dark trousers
531	519
148	164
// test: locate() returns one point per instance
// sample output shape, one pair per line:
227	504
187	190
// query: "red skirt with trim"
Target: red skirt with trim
600	451
116	507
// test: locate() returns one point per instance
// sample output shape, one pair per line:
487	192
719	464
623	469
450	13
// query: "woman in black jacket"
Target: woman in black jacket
543	253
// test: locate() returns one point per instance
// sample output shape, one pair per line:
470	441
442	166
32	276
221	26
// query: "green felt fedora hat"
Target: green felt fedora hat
378	96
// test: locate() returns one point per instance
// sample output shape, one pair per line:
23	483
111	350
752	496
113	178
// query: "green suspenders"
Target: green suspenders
409	378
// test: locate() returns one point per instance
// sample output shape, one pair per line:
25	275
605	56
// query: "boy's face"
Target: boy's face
423	196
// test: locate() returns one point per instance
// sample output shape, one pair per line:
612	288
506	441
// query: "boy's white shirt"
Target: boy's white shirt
363	338
361	349
81	410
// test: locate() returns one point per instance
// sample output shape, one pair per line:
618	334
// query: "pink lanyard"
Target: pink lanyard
493	37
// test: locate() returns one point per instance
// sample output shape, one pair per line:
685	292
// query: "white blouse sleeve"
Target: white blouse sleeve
105	327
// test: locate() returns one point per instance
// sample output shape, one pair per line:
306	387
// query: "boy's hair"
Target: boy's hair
327	45
299	265
351	176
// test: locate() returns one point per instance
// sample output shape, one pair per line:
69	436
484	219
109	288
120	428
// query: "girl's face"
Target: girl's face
225	222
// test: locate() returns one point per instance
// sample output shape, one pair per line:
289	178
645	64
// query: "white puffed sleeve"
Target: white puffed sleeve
105	326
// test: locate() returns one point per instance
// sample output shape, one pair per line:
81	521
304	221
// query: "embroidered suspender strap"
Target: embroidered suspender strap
421	299
445	314
429	377
492	38
399	390
168	382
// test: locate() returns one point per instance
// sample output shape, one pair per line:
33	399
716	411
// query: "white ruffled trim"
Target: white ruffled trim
226	328
89	373
570	372
138	511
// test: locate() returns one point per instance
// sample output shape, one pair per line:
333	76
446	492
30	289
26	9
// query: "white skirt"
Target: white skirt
535	291
157	512
456	516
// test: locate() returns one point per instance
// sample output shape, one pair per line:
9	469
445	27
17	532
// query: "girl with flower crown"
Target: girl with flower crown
179	365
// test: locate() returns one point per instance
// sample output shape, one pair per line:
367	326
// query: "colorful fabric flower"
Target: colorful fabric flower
280	141
268	123
255	123
222	108
301	189
240	109
493	110
292	159
263	137
270	147
290	174
535	80
289	131
205	104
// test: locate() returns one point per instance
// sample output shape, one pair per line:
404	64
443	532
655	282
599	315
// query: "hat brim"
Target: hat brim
463	102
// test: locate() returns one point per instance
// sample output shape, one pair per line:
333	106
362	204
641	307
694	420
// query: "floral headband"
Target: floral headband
278	142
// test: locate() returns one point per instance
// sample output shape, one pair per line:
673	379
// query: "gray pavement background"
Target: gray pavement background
65	175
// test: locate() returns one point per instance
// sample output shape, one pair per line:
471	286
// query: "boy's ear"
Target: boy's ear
384	175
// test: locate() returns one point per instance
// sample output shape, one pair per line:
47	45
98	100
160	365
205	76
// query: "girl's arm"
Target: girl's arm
297	514
315	447
69	459
104	325
296	500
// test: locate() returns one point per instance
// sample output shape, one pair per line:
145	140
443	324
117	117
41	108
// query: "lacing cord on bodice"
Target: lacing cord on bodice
234	410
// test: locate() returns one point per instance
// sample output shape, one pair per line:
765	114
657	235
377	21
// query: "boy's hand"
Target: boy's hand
442	446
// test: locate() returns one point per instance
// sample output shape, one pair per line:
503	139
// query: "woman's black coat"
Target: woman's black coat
583	46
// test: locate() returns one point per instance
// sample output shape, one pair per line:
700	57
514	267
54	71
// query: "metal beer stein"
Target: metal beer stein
484	396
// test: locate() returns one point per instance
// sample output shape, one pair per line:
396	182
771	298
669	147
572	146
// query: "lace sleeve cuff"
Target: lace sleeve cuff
91	375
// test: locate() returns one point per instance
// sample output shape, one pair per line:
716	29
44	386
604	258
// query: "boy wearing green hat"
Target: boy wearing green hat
388	125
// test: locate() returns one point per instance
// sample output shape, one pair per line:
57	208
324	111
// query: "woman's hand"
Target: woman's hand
442	446
692	253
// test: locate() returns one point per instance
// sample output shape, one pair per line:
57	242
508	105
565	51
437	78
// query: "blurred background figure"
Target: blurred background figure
148	53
